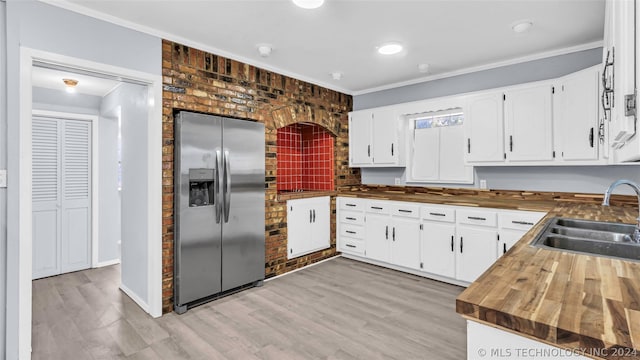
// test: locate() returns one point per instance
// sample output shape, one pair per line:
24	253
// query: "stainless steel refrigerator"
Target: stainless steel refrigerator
219	207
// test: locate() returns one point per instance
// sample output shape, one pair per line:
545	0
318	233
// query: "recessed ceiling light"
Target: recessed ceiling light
423	68
71	85
390	48
521	26
308	4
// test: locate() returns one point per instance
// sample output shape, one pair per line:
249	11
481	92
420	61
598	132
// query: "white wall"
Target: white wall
3	165
109	229
134	213
44	27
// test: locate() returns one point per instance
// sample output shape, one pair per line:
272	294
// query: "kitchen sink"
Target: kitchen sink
589	237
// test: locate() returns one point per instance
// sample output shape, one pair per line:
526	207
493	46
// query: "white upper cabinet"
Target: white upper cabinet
575	105
528	123
360	126
375	138
483	128
385	137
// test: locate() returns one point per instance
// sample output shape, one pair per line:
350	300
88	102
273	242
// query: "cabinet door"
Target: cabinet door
476	252
299	218
508	238
528	133
438	248
405	243
360	123
452	166
377	232
320	235
425	159
577	116
483	127
385	137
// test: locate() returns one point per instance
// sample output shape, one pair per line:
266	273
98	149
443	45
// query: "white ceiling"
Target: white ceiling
89	85
452	36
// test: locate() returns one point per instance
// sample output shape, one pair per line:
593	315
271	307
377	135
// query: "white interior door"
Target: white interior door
45	197
61	195
76	195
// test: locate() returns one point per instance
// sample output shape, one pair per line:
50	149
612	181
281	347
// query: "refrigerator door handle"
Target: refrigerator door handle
227	186
216	191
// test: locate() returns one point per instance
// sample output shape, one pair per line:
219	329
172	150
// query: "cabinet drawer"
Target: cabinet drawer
351	203
519	220
352	246
405	210
353	231
477	217
351	217
438	214
378	207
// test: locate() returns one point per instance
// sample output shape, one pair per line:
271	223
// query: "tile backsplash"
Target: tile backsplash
305	158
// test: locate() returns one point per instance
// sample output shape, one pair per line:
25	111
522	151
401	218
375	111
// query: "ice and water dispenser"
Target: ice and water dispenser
201	187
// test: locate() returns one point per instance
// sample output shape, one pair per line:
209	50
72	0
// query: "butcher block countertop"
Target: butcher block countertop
565	299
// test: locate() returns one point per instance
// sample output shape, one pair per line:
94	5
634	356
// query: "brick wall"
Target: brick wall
203	82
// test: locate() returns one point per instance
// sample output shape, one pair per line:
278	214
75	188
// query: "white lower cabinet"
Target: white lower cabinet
449	243
438	254
377	237
405	235
476	251
308	226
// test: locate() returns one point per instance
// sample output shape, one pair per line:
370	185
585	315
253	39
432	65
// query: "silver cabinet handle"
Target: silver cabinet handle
350	218
476	218
310	216
437	214
227	186
461	242
386	232
349	245
405	211
350	232
521	222
314	215
351	205
376	208
504	248
452	243
394	234
216	190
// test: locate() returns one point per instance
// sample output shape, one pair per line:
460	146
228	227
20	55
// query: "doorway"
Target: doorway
145	287
62	192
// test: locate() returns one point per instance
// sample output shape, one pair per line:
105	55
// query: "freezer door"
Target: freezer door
243	192
197	260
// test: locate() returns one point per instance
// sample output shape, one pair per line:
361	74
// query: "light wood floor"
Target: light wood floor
340	309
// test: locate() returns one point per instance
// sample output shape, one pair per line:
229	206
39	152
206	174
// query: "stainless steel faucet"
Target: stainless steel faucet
607	195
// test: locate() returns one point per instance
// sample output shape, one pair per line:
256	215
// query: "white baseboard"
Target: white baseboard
107	263
304	267
135	298
407	270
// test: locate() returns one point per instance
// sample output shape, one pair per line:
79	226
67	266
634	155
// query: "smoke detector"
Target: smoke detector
521	26
423	68
336	75
264	50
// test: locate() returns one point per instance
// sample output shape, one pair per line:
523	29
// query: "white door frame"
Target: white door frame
93	119
21	300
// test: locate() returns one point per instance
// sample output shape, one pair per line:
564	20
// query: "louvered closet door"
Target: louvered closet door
45	197
61	196
76	195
